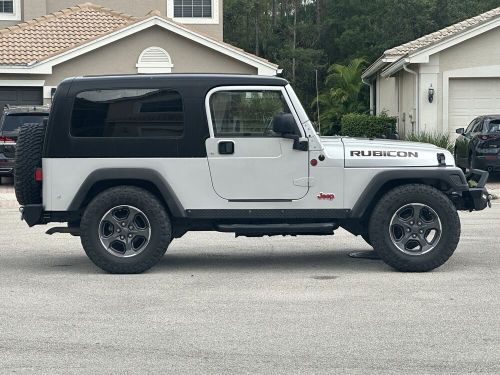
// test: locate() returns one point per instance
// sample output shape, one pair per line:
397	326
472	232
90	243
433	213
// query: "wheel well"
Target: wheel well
100	186
389	185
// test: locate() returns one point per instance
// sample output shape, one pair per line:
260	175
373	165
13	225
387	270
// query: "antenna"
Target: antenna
317	102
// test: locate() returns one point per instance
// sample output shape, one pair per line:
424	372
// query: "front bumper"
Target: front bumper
475	198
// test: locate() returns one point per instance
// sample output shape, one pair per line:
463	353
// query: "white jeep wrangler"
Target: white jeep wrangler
132	162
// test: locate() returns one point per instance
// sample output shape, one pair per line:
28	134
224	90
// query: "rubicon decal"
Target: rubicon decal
386	154
326	196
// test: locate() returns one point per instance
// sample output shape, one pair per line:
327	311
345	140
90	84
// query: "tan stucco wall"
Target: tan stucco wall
387	100
33	9
482	50
407	112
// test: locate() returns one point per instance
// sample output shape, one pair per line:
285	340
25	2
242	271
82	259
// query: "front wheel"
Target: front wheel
125	229
414	228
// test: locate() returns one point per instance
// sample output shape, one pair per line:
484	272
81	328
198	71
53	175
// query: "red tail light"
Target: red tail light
38	175
6	139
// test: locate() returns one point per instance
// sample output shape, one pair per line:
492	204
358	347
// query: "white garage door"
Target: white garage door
470	98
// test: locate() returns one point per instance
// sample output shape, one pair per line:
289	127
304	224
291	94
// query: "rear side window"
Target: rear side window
13	122
128	113
493	126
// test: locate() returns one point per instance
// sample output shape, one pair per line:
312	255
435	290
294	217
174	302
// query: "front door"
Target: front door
248	160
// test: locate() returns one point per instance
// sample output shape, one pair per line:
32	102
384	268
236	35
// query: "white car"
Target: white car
132	162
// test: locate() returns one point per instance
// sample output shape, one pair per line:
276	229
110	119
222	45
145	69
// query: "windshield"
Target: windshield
13	122
494	126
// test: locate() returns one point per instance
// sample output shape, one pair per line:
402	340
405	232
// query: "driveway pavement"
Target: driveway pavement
216	304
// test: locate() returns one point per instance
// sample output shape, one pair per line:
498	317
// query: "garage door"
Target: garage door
20	96
470	98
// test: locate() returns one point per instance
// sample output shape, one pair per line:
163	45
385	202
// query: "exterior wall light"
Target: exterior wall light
431	94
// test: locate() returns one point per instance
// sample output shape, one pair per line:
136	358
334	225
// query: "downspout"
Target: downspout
417	99
369	84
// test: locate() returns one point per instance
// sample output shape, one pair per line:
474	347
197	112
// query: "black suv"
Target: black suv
10	124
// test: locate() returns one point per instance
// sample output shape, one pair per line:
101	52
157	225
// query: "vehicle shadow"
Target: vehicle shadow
323	261
267	261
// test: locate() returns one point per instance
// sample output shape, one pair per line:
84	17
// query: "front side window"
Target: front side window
471	126
246	113
478	126
7	6
128	113
193	8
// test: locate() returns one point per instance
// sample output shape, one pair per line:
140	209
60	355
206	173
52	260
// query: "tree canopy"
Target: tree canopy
303	36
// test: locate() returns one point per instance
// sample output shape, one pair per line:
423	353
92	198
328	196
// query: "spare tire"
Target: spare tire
28	159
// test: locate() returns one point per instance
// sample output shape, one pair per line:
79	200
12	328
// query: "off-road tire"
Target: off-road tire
390	203
161	230
28	158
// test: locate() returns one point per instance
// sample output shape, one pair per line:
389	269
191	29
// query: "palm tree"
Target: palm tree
342	94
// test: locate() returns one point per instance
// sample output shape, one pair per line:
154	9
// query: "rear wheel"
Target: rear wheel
415	228
125	230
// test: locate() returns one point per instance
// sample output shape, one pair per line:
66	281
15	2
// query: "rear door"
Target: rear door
248	161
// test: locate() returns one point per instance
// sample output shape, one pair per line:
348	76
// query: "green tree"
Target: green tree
305	36
342	95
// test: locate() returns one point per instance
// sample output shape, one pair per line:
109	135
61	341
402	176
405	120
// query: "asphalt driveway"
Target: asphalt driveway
217	304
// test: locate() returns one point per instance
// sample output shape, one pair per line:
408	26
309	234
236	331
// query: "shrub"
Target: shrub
363	125
442	140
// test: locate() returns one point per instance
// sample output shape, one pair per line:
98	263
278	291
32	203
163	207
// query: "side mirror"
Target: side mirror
460	131
284	124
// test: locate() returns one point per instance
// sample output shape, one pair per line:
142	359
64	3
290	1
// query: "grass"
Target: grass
442	140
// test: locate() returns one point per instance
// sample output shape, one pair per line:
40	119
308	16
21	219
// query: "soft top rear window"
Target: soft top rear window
128	113
14	121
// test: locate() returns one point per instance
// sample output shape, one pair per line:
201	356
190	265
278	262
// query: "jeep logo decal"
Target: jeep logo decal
386	154
326	196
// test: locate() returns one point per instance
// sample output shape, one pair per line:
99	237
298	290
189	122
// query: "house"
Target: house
43	42
441	81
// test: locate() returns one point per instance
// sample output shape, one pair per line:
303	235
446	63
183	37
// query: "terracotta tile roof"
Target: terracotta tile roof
441	35
48	35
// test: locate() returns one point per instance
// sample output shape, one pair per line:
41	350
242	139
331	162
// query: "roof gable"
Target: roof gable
38	45
443	34
420	50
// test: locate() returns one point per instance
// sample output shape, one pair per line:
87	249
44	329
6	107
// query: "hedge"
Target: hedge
366	126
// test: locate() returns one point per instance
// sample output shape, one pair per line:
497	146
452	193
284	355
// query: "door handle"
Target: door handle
226	147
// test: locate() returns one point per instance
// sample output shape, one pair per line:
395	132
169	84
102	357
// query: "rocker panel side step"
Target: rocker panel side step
260	230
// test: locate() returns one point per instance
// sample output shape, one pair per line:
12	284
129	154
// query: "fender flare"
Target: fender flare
135	174
453	177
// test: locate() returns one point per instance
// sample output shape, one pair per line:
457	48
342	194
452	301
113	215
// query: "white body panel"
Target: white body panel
260	168
362	153
189	179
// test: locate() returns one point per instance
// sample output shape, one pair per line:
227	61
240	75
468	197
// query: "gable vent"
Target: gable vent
154	60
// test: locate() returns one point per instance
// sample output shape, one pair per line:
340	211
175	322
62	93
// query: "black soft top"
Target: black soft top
201	81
